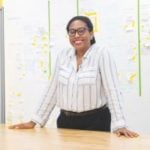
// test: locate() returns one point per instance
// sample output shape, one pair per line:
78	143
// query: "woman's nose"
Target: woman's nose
76	34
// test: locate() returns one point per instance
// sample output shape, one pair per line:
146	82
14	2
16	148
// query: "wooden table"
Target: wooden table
65	139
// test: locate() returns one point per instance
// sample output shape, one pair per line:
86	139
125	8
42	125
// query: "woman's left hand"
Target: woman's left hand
125	132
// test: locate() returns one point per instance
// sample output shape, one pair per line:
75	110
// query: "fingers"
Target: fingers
18	126
11	127
126	133
122	133
132	134
118	134
26	125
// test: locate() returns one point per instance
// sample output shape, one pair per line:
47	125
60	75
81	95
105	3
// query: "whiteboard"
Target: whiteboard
33	39
26	56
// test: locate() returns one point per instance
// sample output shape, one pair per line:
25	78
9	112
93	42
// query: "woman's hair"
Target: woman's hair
87	21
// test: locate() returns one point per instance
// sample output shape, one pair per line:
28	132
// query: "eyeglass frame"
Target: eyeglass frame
78	31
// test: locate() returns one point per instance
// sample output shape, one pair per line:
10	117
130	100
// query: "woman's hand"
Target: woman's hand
26	125
125	132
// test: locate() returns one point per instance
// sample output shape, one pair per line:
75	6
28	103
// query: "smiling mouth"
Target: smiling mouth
78	42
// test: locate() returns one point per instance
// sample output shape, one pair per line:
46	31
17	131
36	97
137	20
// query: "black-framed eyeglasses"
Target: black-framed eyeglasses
80	31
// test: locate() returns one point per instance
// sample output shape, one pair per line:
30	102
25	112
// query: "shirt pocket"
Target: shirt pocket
64	75
87	76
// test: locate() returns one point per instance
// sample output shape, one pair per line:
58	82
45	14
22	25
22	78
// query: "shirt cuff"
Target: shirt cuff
118	124
38	120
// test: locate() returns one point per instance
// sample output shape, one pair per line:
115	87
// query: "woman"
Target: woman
84	86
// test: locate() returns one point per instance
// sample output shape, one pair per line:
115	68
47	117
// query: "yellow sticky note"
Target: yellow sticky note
132	77
94	18
1	3
133	58
18	94
34	44
130	25
44	38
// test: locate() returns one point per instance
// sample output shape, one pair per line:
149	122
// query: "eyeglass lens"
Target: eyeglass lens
80	31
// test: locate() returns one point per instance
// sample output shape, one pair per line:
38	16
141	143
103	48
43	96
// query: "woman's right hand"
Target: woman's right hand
26	125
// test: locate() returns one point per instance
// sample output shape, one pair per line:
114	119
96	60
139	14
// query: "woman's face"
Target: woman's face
79	35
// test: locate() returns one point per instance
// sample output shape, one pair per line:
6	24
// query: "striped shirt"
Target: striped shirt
94	85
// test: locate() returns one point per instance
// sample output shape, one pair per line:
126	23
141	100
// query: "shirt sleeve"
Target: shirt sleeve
46	106
111	87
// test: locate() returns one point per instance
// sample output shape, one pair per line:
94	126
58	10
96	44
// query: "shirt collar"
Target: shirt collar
86	55
73	53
